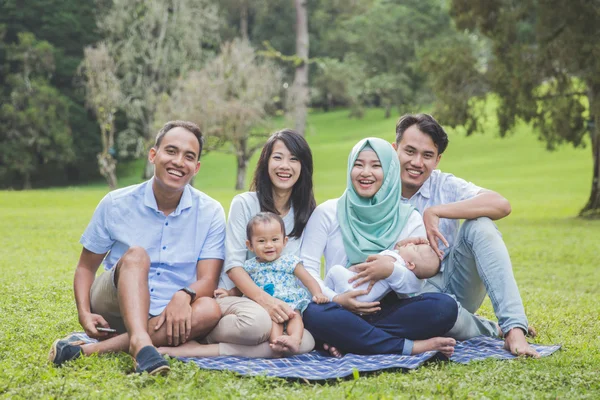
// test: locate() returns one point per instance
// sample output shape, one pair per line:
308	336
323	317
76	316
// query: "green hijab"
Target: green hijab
371	225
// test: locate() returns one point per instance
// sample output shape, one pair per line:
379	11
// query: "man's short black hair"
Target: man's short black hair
426	124
190	126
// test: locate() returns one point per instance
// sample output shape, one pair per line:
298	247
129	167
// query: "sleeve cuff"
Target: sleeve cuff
408	347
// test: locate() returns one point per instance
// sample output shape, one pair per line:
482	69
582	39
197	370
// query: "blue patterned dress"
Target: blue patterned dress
277	279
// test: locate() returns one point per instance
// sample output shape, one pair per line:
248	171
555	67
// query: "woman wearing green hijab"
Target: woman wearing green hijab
367	219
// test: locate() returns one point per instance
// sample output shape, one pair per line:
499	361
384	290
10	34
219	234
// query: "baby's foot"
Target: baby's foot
290	344
439	344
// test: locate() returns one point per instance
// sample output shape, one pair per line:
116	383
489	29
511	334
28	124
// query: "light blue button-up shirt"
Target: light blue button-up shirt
443	188
175	243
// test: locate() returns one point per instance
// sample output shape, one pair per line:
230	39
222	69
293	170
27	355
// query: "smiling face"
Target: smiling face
284	168
175	159
418	157
267	240
367	174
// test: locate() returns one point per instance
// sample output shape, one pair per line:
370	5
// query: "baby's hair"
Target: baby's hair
430	266
263	217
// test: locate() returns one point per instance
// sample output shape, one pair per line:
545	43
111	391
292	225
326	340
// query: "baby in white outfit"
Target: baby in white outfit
414	263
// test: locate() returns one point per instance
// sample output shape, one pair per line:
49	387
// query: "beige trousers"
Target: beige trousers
244	330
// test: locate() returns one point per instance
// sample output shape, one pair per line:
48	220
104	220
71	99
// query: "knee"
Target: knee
205	310
447	311
135	257
482	227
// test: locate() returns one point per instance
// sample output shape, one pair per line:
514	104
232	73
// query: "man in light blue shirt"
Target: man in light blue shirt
475	259
162	243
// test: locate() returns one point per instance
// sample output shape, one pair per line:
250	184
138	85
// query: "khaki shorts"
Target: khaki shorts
104	300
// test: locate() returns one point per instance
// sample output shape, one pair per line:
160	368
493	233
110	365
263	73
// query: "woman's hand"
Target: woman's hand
410	240
376	268
349	302
278	310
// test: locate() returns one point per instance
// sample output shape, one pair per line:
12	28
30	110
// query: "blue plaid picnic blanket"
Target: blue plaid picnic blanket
315	366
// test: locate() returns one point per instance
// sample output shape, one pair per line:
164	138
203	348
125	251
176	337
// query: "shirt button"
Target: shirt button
164	247
158	273
166	223
152	290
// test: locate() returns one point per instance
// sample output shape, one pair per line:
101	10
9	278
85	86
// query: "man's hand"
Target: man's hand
320	298
178	317
349	302
278	310
376	268
432	223
90	321
410	240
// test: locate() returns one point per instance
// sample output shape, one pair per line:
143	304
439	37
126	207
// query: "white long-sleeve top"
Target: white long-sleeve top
323	237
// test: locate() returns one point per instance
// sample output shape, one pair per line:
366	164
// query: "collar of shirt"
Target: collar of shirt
150	201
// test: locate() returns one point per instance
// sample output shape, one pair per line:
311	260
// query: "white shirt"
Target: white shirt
323	237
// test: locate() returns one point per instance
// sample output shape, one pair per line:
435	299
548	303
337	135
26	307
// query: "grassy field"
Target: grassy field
555	258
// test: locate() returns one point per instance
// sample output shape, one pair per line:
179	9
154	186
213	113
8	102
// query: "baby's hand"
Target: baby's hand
220	292
320	298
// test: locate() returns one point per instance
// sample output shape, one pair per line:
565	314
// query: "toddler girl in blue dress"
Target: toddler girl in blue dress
278	276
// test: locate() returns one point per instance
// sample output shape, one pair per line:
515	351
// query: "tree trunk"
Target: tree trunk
108	168
300	90
244	19
242	166
26	180
592	208
388	110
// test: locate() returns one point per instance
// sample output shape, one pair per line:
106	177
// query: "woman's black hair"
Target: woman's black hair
302	198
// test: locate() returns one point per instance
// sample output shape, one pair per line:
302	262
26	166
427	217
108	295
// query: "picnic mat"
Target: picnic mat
315	366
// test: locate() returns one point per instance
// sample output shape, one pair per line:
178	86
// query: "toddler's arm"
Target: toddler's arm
311	284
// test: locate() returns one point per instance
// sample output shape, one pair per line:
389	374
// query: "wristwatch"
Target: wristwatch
189	291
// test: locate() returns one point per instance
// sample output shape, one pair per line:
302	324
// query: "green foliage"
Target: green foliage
554	257
542	65
34	128
68	25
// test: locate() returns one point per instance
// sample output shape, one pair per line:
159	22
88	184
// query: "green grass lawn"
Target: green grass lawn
555	257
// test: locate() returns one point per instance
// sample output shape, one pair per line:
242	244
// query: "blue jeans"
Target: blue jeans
477	264
389	331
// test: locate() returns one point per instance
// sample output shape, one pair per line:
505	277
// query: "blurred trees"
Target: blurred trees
68	25
543	65
34	122
103	97
153	43
231	99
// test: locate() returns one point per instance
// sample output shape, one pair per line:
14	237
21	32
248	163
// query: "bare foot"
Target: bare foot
440	344
332	350
517	345
290	344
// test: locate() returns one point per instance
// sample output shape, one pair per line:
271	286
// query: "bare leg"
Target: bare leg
205	315
276	332
442	344
131	279
191	349
291	342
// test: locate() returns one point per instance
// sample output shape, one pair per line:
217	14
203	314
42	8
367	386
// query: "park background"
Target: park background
86	85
